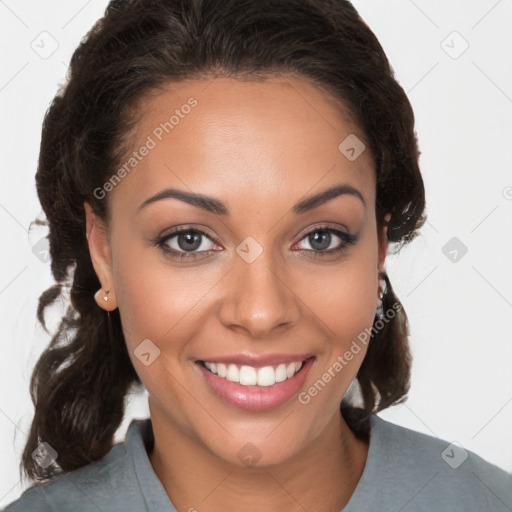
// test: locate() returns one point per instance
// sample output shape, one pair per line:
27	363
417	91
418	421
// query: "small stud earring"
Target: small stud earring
106	295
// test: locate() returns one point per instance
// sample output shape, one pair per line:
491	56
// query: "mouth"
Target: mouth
256	386
252	376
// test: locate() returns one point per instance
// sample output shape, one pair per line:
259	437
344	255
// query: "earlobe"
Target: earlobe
106	299
97	241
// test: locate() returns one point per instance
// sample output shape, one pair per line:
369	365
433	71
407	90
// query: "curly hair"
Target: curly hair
81	380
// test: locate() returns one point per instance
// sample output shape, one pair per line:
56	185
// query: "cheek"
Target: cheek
154	302
344	296
347	305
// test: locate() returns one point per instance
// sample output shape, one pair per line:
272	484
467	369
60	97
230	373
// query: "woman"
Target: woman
222	180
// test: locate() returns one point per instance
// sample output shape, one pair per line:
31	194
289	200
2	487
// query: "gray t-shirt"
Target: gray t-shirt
405	471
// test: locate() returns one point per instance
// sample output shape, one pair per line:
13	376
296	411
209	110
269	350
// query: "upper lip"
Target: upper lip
257	360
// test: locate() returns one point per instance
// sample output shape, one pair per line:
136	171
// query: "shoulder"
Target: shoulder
427	473
107	484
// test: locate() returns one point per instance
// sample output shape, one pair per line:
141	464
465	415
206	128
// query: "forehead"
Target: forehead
244	141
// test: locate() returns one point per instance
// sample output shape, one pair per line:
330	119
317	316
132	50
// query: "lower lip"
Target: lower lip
257	398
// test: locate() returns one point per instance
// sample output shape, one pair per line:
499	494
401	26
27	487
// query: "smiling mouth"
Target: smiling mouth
246	375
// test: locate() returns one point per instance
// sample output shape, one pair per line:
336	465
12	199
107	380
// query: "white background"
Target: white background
460	312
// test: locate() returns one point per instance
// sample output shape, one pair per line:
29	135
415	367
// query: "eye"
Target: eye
186	243
322	240
189	243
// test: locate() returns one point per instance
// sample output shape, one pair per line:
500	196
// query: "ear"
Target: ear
383	244
96	232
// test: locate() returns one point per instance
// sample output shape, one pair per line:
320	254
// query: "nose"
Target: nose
259	297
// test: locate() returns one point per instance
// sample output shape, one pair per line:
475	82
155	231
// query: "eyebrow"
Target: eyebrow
212	205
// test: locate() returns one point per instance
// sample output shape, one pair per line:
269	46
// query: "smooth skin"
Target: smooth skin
260	148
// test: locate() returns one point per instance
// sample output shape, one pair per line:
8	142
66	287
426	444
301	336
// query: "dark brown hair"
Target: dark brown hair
80	382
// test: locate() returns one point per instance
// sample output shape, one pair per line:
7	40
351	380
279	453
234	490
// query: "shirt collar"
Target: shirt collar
139	438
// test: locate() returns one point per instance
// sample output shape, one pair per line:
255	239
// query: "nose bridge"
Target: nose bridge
258	298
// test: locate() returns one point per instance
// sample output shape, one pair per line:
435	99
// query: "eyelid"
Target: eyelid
319	226
162	239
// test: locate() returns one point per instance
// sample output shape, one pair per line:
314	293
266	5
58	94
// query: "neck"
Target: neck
322	477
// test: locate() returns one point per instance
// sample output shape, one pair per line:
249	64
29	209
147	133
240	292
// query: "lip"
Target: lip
258	360
256	398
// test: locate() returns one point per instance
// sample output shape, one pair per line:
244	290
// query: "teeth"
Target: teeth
266	376
249	376
221	370
233	373
281	373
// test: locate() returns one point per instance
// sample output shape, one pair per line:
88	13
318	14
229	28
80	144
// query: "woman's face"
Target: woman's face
244	288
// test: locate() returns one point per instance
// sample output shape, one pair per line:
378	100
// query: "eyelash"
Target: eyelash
347	240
